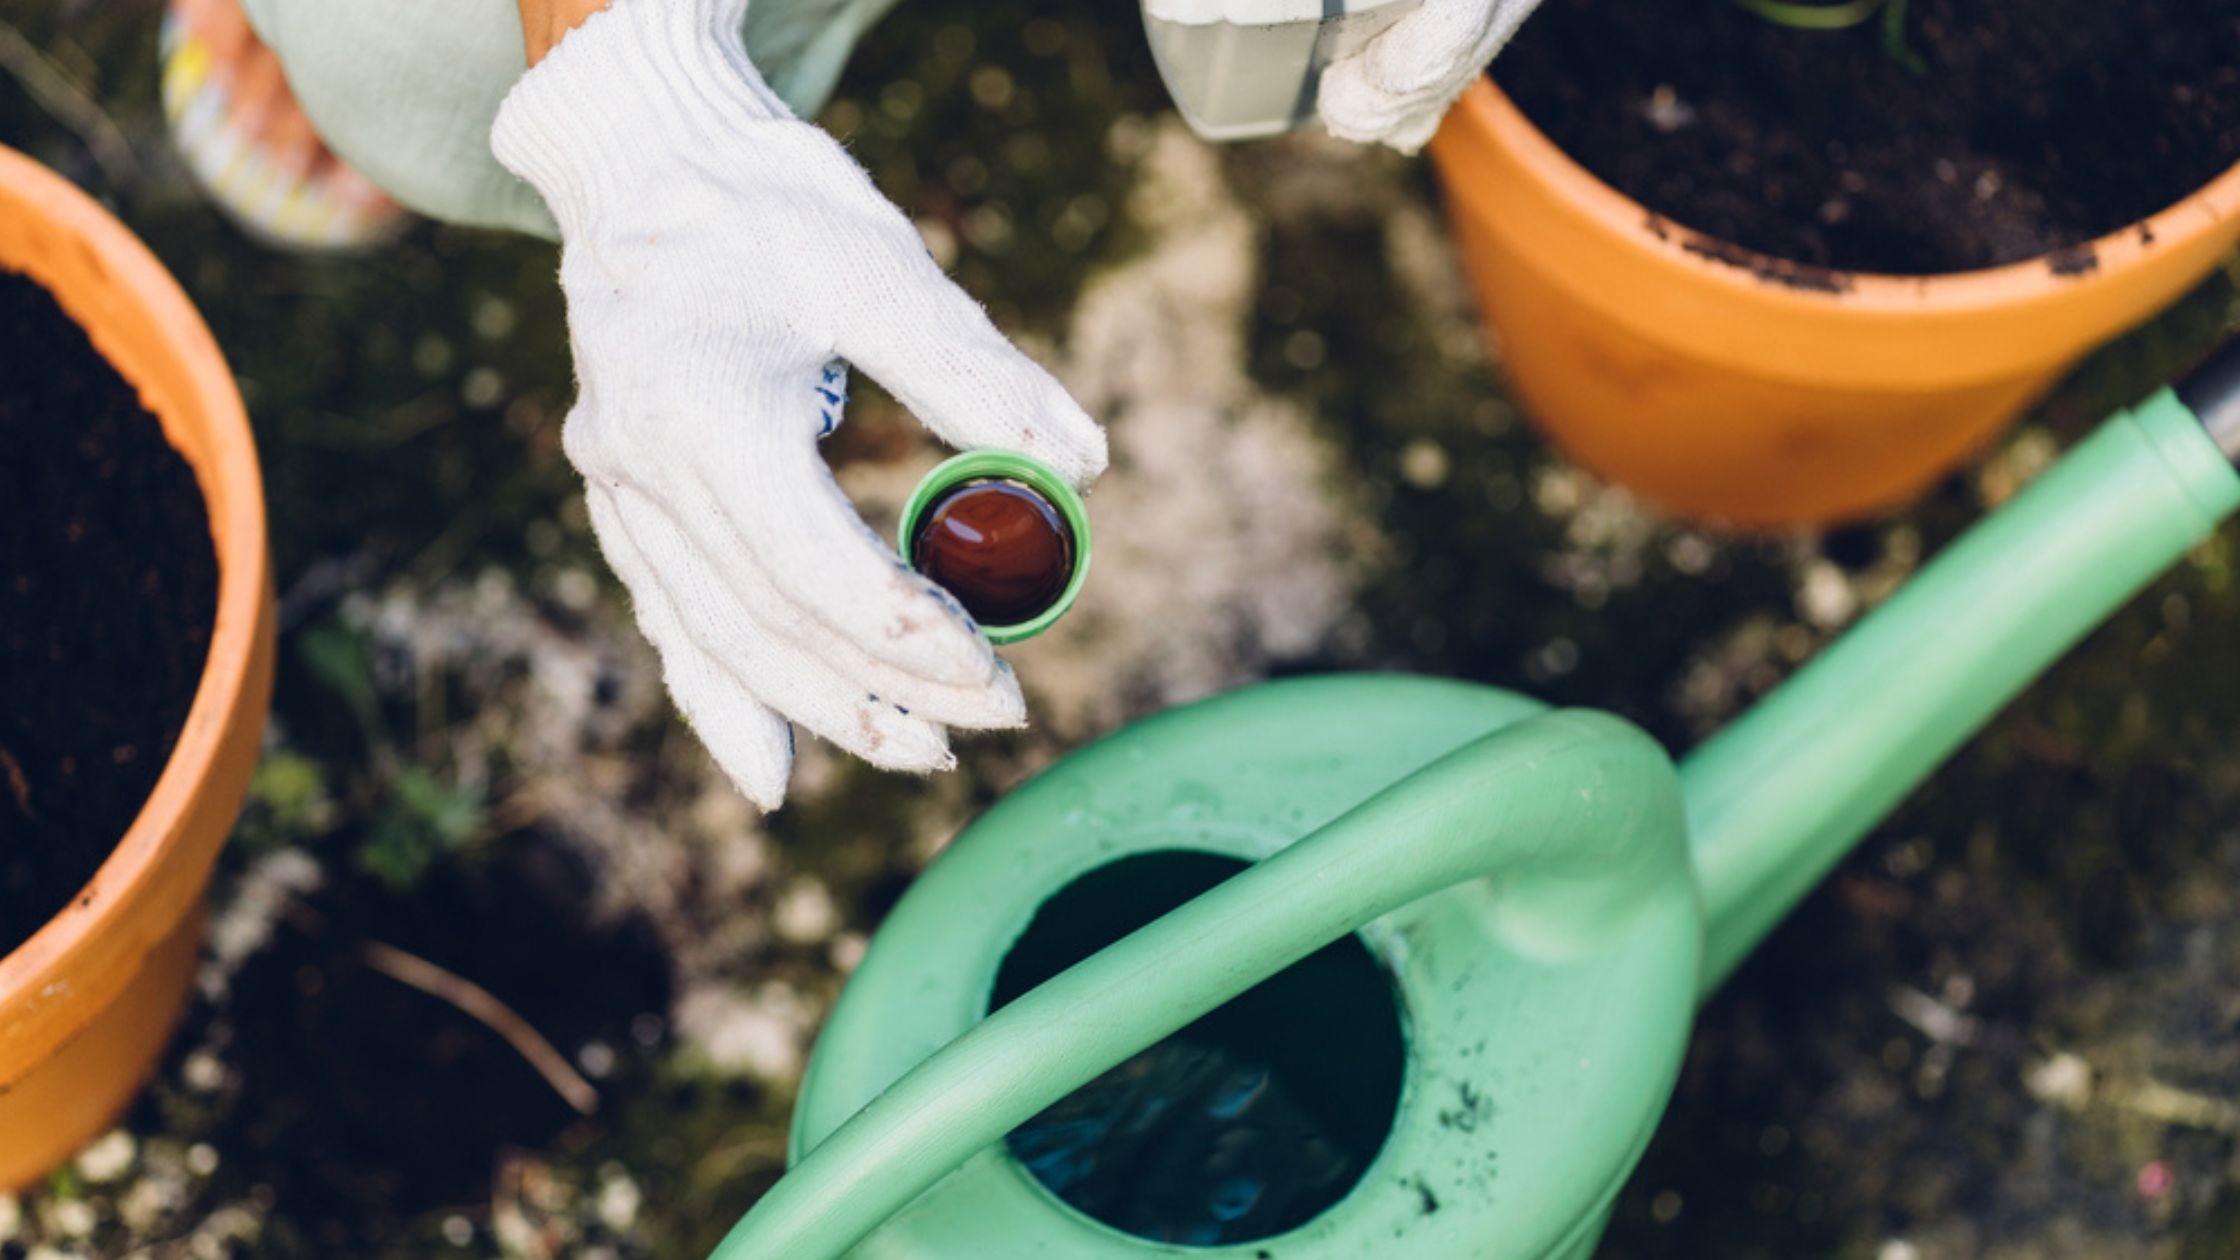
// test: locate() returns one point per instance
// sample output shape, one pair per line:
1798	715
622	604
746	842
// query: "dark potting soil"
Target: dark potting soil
108	592
2029	127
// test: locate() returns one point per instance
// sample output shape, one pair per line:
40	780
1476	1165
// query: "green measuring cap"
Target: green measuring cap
1030	474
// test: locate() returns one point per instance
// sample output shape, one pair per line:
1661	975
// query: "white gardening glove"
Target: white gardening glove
1397	88
720	258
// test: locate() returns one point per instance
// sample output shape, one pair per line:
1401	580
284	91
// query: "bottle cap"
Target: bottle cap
1034	476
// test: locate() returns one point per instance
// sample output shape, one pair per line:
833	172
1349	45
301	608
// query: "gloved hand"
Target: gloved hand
720	259
1397	88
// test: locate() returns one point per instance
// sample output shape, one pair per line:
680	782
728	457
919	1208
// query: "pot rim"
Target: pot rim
2045	277
225	466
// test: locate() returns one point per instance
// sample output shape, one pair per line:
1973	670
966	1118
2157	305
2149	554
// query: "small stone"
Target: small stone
759	1035
72	1218
483	387
597	1059
1691	554
805	914
109	1158
1826	598
203	1073
494	318
575	588
619	1200
1424	464
992	88
2064	1080
1667	112
144	1206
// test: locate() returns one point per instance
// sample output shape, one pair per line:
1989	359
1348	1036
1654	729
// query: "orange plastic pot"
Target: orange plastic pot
1732	386
87	1003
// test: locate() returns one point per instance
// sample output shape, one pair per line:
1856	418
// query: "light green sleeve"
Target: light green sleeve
406	90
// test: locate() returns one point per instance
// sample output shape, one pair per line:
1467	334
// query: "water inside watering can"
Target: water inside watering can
1188	1143
1248	1123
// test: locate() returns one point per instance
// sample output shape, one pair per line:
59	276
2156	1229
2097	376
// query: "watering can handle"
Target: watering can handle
1576	815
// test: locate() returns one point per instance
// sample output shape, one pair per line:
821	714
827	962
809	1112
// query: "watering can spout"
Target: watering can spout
1776	799
1575	818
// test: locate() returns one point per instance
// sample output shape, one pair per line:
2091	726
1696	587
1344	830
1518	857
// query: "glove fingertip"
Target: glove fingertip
942	765
764	786
765	800
1364	115
1349	107
1084	460
759	767
1007	709
1068	440
922	756
1409	140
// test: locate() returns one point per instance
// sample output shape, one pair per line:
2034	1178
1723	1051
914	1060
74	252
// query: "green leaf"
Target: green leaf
423	821
340	660
1814	17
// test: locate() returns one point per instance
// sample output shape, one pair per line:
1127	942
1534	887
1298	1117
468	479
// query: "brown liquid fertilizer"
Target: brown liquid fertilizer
1001	548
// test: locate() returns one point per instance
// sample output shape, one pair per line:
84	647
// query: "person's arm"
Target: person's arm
543	22
725	263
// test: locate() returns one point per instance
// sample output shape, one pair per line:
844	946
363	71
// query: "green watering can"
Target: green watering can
1492	921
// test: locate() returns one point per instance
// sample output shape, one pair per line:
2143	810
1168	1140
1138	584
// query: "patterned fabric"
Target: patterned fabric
335	208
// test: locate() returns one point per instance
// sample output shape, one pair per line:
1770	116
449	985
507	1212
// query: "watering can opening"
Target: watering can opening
1244	1125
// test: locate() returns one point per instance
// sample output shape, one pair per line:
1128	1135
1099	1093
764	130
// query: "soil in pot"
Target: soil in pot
2025	128
108	593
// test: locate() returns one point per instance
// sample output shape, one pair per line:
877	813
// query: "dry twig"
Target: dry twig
493	1014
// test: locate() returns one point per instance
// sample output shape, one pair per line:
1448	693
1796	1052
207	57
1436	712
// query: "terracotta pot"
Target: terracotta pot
1733	386
87	1003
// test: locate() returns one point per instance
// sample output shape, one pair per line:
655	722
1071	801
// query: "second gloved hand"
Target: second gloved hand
1397	89
721	259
